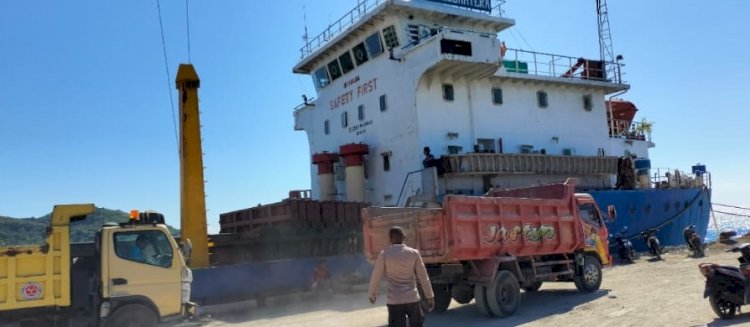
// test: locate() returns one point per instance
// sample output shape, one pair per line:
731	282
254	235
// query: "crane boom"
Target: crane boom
192	192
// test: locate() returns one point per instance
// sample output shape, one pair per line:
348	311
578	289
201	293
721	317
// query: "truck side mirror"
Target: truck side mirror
611	212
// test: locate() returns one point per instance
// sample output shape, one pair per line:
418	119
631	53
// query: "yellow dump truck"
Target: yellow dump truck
132	275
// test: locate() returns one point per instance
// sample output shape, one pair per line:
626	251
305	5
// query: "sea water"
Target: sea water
739	224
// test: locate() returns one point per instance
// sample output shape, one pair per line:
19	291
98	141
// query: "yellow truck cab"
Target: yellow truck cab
134	274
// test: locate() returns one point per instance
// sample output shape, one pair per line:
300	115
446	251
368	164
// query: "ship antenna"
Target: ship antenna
305	37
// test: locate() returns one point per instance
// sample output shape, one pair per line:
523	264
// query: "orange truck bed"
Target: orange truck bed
525	222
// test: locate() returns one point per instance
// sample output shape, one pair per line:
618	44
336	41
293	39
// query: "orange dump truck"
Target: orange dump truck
489	247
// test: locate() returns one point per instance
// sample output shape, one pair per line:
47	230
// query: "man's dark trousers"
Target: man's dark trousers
397	315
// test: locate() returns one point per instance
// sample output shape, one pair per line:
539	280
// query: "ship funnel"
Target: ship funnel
326	180
355	172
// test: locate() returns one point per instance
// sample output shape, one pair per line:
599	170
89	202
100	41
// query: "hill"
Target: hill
18	231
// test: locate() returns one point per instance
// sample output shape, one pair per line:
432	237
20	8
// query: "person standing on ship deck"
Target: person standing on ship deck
402	266
429	159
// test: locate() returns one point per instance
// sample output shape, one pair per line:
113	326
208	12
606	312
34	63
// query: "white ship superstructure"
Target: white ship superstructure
395	76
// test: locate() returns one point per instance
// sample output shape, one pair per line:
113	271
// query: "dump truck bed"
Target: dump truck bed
36	276
534	221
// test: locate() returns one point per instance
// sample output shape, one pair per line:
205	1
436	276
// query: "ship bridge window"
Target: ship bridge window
497	95
374	46
334	69
321	78
455	47
541	99
390	36
346	62
360	54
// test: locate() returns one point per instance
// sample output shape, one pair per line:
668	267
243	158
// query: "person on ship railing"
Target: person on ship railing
429	159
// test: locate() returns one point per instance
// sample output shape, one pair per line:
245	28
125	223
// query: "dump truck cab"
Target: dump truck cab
595	234
133	273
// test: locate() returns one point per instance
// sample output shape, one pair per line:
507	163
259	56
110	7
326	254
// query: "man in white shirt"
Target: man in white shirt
402	266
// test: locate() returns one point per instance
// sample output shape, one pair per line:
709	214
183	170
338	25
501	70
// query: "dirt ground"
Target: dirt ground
666	293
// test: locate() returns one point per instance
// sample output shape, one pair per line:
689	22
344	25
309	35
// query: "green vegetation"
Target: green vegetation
20	231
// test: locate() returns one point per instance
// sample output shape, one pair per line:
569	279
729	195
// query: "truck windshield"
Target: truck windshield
150	247
589	213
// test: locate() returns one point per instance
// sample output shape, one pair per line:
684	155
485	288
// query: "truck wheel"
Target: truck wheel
533	287
132	315
480	296
462	292
442	297
504	294
591	275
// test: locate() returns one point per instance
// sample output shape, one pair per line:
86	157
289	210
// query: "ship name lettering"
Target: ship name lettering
342	100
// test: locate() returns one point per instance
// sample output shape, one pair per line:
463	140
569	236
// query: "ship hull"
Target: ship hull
669	210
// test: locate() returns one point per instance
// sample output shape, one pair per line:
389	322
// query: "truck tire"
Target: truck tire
132	315
462	292
442	297
590	277
480	297
504	294
533	287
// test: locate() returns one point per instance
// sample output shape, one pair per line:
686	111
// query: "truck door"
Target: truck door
594	230
143	263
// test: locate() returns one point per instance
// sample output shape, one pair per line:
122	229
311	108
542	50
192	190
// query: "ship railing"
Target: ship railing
334	29
498	163
408	189
675	178
363	8
546	64
629	130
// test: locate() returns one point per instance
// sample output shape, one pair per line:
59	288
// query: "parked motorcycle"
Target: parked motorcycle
726	286
624	247
693	240
652	242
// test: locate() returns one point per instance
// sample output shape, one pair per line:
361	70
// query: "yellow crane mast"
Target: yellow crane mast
192	192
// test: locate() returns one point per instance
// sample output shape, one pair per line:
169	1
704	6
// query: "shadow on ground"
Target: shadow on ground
737	320
282	306
534	305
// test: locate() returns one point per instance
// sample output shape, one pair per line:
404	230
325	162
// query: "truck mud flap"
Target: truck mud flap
483	271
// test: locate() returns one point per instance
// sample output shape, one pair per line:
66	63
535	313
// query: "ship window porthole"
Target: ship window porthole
344	119
383	103
361	112
677	205
542	100
497	95
666	206
648	209
327	127
588	104
687	204
448	92
700	203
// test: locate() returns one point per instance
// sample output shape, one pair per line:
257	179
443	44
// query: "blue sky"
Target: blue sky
85	112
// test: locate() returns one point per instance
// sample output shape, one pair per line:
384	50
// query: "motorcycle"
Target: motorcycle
693	240
624	247
727	286
652	242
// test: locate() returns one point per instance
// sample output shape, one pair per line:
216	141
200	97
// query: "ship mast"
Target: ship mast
606	52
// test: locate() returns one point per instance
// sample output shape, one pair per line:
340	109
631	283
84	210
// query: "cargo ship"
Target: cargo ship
419	99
